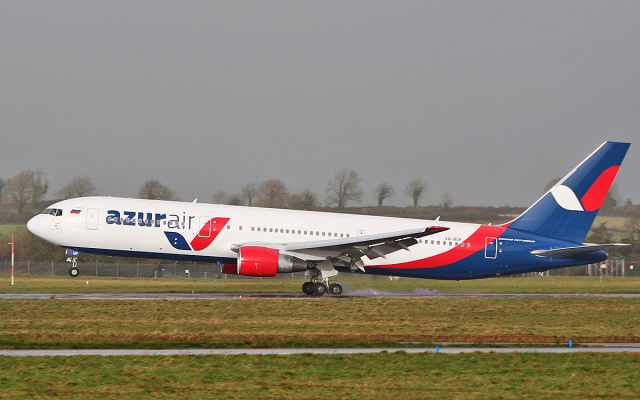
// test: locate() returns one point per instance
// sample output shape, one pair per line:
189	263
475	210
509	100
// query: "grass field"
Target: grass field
312	322
10	228
379	376
352	283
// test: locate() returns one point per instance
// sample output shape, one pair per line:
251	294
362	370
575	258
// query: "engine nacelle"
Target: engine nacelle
265	261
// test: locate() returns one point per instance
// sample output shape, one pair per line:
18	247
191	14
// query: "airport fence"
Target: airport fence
614	267
129	270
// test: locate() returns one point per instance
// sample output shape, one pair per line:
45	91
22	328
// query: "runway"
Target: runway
610	348
355	294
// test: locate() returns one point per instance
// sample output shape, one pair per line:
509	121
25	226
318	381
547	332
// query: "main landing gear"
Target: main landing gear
319	286
73	259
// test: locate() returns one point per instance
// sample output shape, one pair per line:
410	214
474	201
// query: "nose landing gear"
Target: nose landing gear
73	259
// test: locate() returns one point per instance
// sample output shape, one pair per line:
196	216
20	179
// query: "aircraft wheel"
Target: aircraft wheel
335	289
308	288
74	272
319	289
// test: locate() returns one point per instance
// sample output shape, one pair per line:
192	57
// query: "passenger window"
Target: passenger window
252	228
240	227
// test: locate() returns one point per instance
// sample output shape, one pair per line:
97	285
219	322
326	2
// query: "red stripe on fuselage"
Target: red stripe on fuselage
593	199
457	253
208	233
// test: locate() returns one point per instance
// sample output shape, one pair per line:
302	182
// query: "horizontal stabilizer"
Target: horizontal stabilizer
573	251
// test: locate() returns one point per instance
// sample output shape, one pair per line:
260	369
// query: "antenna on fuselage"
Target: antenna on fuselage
195	200
438	219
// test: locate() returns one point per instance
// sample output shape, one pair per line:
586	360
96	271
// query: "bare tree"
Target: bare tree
79	186
446	200
220	197
249	192
344	187
236	200
612	199
26	188
415	190
304	200
155	190
273	193
383	191
3	182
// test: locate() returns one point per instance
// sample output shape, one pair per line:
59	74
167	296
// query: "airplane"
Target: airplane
263	242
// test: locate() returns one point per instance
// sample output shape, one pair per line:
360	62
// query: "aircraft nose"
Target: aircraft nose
35	225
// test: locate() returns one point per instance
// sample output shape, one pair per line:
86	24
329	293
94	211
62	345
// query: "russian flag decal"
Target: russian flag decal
76	211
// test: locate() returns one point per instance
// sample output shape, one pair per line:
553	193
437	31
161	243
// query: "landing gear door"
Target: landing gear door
490	247
92	218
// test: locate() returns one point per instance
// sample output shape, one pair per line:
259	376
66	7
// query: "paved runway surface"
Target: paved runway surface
146	296
369	293
230	352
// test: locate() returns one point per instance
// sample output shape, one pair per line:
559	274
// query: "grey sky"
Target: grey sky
487	100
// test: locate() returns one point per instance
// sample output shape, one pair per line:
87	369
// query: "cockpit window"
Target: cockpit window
56	212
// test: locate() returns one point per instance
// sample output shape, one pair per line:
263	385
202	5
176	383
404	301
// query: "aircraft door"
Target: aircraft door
92	218
490	247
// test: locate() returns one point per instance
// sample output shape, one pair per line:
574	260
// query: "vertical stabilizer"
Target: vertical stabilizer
568	209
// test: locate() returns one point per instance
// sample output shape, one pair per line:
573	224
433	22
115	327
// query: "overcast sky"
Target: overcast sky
488	100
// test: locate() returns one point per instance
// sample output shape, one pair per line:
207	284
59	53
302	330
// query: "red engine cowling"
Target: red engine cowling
264	261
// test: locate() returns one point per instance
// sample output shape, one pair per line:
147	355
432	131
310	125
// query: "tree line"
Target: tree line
22	195
27	189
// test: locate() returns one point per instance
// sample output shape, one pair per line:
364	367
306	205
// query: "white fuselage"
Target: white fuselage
95	227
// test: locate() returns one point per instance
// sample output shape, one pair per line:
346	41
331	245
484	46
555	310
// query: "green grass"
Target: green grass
91	284
7	229
377	376
309	322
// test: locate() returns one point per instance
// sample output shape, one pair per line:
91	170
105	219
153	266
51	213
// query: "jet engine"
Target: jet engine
265	261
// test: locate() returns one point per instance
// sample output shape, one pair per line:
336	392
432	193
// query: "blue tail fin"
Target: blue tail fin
568	209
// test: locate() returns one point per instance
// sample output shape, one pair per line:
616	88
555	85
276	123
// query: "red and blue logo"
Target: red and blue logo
206	235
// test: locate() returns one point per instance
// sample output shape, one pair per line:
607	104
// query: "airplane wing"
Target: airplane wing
352	249
576	250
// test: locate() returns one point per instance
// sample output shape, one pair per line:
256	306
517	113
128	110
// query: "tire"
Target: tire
335	289
307	288
74	272
319	289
